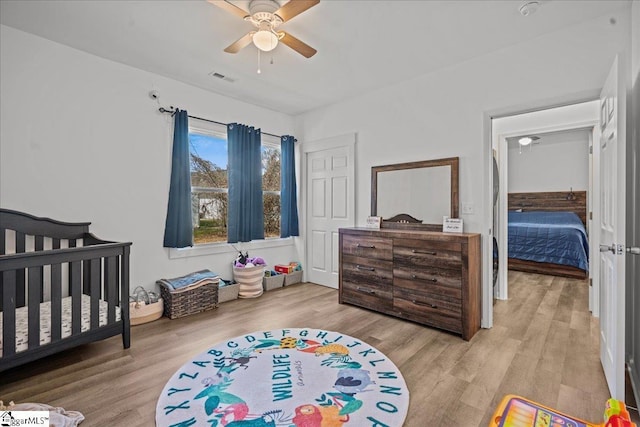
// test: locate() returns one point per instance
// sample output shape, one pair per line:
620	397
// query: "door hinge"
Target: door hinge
591	282
591	149
591	215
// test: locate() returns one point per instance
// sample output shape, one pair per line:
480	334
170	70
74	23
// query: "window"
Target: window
209	184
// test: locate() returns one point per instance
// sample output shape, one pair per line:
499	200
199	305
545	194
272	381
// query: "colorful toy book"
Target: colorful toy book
515	411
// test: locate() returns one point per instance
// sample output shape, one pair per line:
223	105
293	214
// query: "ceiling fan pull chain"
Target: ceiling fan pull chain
259	71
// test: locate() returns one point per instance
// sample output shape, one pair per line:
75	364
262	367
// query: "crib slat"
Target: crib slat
35	296
95	293
39	246
9	313
75	276
110	289
86	277
56	302
124	297
20	274
3	242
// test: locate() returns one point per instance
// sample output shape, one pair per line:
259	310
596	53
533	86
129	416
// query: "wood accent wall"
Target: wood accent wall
553	201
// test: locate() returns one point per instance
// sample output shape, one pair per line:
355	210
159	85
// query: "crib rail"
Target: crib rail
32	275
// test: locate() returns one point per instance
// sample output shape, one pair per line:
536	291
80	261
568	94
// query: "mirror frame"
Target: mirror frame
453	162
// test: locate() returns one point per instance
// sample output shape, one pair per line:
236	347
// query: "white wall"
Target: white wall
557	163
81	140
441	114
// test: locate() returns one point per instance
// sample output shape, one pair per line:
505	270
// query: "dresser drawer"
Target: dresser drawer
371	295
365	270
433	309
425	253
421	286
427	276
367	246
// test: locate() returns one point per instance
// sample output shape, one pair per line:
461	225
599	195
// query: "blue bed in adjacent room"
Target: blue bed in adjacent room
549	238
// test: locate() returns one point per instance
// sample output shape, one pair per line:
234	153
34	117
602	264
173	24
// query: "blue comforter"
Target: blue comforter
554	237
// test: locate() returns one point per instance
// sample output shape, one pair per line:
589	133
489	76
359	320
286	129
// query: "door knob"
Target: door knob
633	250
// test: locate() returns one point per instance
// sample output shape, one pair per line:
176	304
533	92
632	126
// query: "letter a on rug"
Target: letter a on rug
286	378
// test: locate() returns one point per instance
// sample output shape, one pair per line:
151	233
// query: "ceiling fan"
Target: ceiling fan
267	16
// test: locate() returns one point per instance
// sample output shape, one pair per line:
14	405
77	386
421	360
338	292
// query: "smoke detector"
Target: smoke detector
529	7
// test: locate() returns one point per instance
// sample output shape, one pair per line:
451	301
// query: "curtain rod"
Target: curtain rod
172	111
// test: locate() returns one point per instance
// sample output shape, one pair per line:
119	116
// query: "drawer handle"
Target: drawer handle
359	267
423	304
434	280
369	291
415	251
365	246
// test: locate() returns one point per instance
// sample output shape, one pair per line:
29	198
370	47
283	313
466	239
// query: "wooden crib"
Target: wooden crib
60	287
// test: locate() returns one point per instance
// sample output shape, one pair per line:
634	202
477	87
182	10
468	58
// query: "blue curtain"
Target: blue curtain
178	231
245	212
288	198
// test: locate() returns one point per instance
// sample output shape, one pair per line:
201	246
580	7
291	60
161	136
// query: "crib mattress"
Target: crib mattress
22	326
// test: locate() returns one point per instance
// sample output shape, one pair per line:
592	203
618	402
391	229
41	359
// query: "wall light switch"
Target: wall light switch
468	209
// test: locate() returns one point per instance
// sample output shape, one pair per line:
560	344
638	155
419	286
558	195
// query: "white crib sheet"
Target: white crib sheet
22	324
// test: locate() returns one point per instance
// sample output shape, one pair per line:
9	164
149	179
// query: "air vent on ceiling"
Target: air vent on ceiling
221	77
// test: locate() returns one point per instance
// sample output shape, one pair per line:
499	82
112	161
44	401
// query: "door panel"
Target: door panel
330	196
612	232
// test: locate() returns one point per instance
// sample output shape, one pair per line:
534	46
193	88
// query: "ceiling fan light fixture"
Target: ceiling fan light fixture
265	40
526	140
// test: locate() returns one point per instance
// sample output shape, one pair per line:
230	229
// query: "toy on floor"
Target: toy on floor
515	411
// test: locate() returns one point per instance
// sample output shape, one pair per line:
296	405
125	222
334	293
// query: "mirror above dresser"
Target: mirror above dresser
415	195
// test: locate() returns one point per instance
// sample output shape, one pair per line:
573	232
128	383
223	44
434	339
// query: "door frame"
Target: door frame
488	137
347	141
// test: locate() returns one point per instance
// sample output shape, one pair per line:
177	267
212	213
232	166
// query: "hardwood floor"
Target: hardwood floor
543	346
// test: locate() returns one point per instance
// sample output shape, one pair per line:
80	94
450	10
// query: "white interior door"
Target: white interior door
329	206
612	233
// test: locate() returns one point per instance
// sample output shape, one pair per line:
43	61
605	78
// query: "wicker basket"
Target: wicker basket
180	303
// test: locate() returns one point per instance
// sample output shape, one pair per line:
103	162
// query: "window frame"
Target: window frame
220	131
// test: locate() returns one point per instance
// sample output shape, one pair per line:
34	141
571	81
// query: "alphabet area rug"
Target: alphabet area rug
286	378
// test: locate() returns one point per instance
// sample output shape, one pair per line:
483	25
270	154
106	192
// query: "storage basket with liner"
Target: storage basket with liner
292	278
274	281
250	280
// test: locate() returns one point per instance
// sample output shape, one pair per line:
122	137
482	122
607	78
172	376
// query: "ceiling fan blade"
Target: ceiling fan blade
242	42
294	8
231	8
299	46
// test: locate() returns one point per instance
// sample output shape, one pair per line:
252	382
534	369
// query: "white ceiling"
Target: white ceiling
362	44
558	137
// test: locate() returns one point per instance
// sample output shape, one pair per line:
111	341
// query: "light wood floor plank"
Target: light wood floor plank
543	346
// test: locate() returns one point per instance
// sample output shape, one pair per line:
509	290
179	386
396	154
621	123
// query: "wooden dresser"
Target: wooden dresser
428	277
